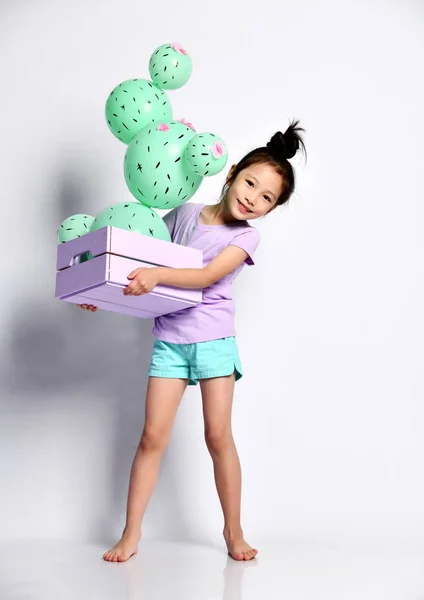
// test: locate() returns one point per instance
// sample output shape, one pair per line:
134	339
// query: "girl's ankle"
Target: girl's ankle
233	533
131	532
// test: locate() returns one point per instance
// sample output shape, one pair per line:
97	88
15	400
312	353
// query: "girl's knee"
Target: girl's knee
218	439
154	439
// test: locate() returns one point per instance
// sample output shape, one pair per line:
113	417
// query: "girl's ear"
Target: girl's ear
230	174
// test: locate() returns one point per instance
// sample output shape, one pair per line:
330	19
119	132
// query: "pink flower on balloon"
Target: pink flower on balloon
163	127
178	48
184	122
218	149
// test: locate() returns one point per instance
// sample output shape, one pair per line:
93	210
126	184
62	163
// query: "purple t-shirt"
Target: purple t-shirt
213	318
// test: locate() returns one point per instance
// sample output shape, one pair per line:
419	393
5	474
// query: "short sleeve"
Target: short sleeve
248	241
170	219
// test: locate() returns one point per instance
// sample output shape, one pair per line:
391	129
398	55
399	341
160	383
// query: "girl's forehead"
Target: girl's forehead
261	168
263	173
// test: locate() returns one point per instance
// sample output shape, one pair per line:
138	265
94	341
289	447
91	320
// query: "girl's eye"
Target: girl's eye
267	197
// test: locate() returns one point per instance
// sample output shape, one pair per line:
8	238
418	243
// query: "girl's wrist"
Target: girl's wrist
160	274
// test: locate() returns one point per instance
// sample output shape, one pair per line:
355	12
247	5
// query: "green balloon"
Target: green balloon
170	66
206	154
74	227
132	105
133	216
154	169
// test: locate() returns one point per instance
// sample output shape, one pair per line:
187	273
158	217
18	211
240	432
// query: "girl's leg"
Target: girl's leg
217	396
162	400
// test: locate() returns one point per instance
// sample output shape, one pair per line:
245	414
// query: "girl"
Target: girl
198	344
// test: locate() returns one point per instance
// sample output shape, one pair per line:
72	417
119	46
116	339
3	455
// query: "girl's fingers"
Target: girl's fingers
90	307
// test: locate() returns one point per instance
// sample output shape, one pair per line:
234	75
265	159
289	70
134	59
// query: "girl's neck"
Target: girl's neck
216	214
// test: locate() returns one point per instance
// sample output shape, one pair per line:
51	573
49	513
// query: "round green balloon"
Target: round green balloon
170	66
133	216
74	227
132	105
206	154
154	166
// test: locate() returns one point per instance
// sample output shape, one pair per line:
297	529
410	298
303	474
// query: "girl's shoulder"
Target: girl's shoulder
187	208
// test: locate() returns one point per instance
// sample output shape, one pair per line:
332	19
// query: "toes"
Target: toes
115	556
244	554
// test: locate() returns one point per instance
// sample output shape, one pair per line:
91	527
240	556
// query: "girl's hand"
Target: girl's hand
143	281
89	307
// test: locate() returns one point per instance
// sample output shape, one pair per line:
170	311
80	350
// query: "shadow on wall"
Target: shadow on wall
56	346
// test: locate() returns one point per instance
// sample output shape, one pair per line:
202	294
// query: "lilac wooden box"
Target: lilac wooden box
116	252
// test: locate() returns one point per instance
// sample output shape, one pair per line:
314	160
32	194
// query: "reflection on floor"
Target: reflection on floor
55	570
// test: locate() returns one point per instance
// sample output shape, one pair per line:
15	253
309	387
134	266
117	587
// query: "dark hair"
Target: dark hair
276	153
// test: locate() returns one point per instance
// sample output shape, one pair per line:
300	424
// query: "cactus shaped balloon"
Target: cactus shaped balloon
74	227
133	216
136	102
170	66
165	161
164	164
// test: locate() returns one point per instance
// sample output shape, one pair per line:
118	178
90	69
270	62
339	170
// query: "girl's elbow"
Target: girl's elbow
207	279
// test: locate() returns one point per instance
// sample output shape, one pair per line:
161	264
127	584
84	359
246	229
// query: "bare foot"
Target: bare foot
240	550
124	549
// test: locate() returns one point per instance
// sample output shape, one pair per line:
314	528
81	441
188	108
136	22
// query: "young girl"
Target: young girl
198	344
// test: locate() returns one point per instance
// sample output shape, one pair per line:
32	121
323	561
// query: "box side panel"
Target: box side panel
96	242
82	276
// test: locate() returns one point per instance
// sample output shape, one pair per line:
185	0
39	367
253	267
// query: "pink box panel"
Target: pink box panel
116	252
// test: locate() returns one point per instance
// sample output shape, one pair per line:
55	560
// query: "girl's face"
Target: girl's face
254	192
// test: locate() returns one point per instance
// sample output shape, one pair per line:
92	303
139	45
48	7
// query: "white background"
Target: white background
328	419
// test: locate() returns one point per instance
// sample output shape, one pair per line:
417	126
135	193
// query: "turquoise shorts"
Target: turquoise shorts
201	360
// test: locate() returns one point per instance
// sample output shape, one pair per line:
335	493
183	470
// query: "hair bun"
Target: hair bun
285	145
277	146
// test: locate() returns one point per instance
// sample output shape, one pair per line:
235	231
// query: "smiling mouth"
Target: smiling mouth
245	209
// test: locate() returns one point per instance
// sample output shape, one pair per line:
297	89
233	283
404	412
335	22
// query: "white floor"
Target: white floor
54	570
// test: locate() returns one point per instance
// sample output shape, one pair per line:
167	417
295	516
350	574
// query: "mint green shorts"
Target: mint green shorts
201	360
